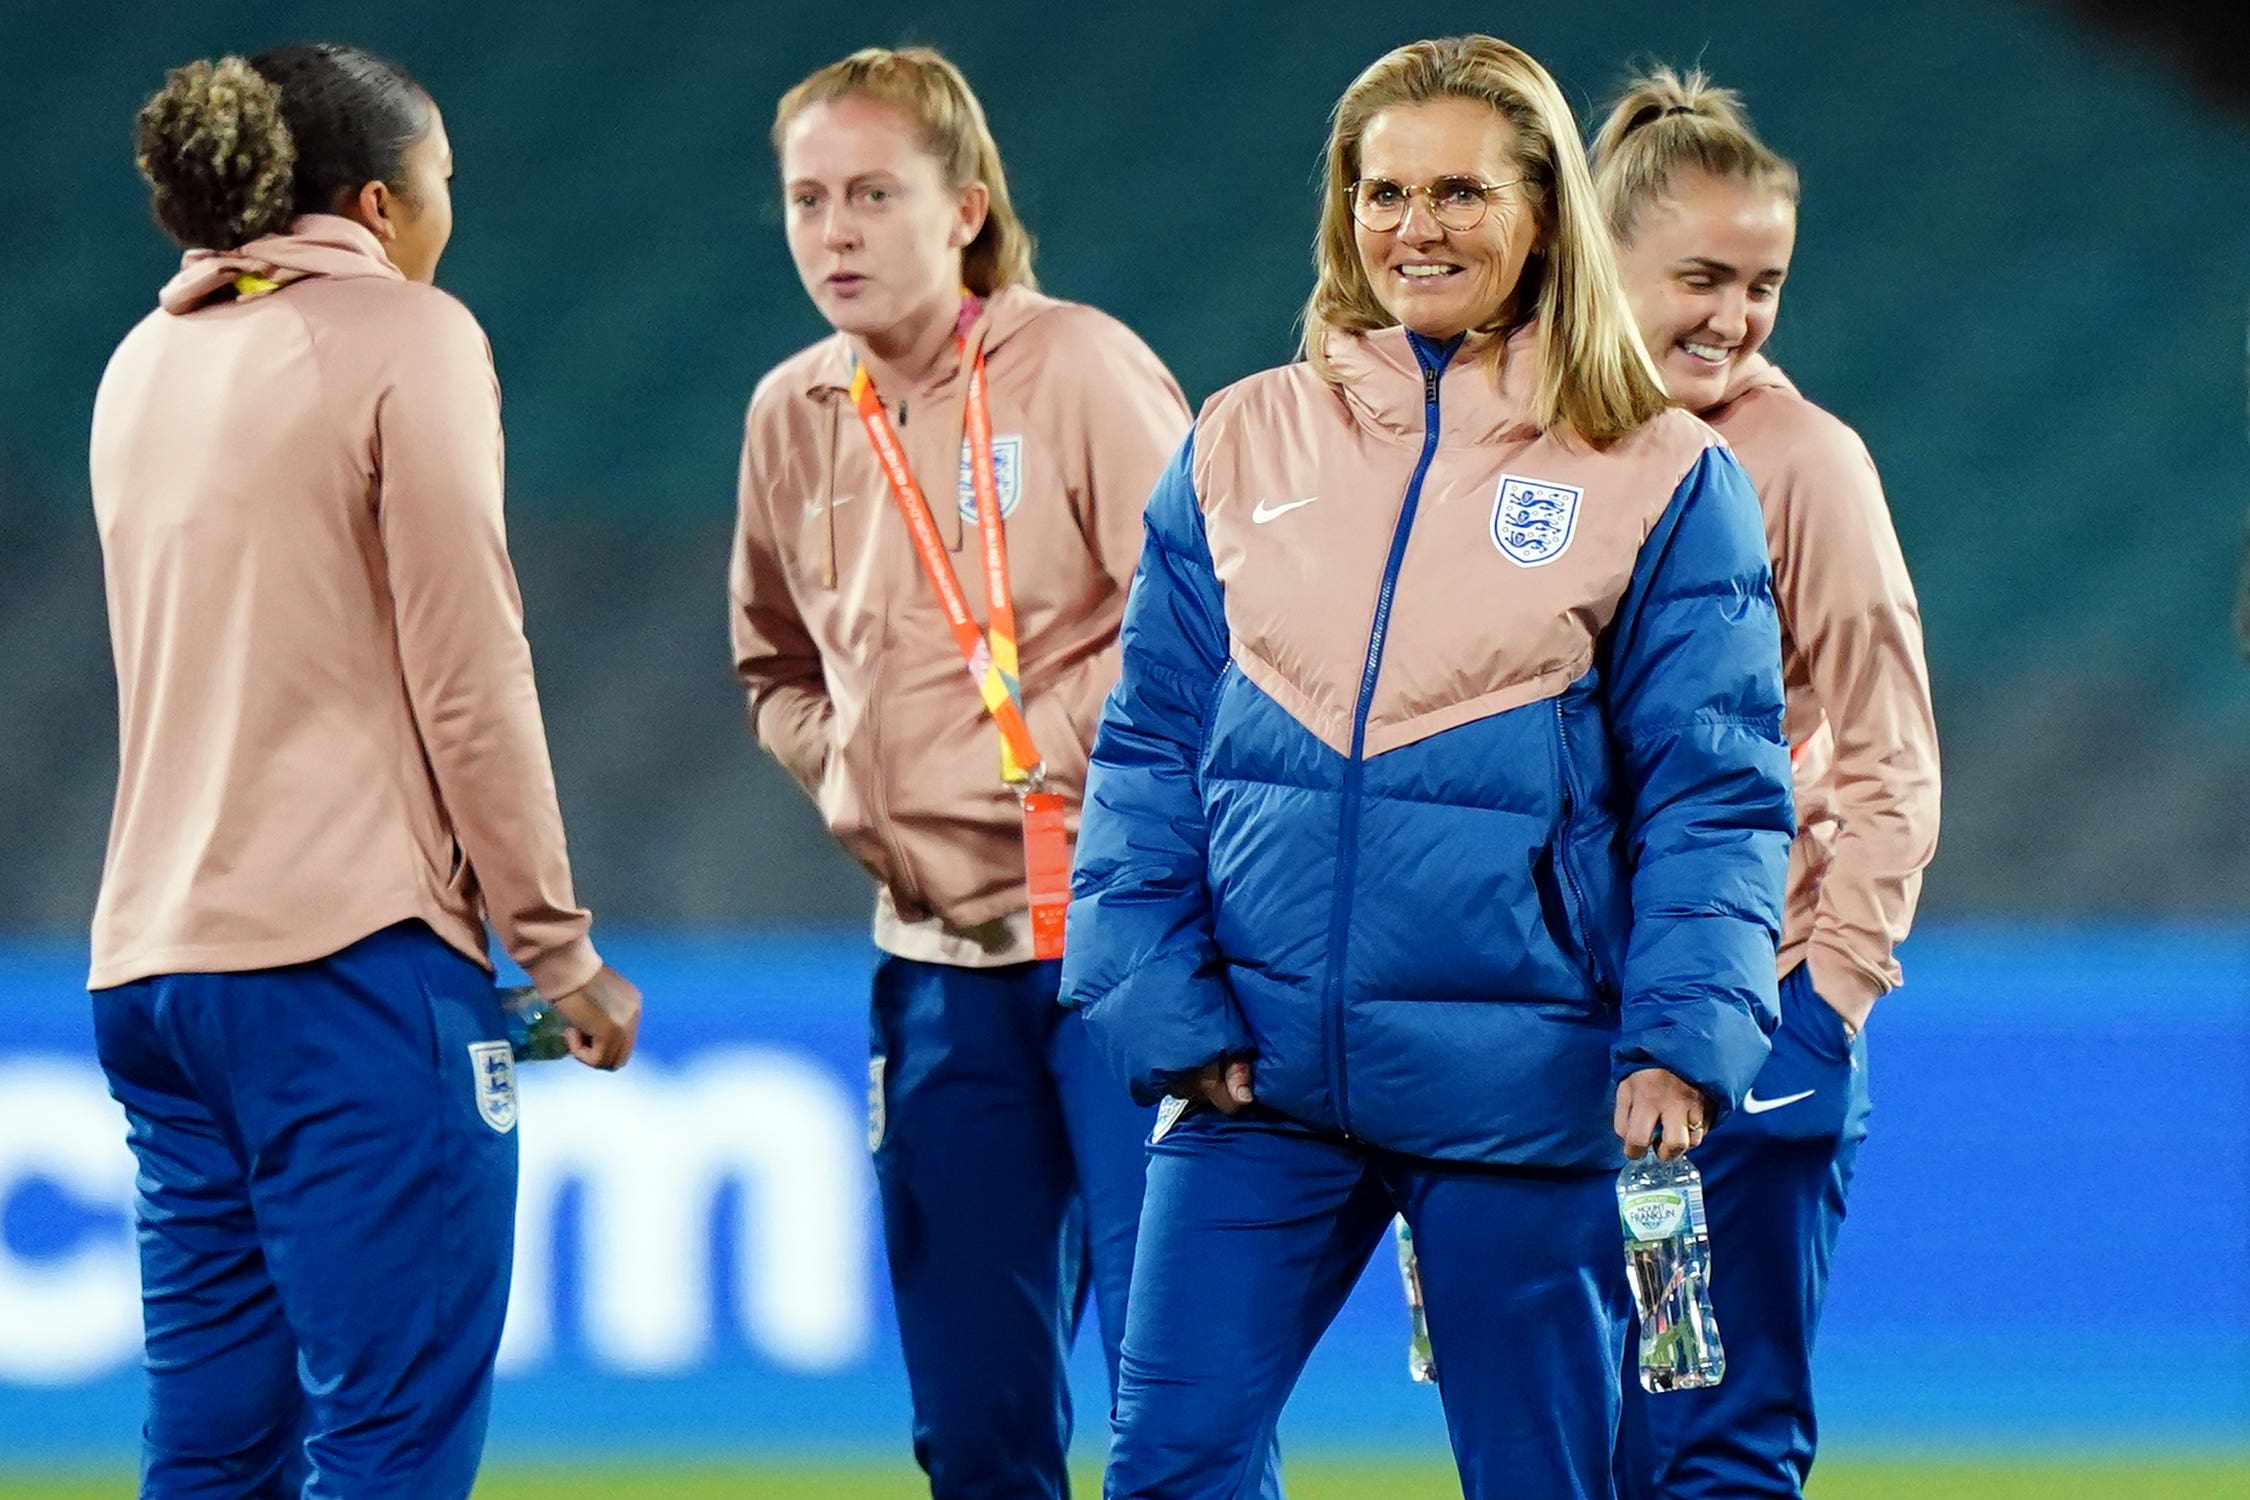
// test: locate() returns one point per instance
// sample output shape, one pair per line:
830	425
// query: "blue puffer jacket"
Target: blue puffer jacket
1446	775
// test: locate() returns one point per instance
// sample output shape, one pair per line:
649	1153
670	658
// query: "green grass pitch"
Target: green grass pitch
2217	1478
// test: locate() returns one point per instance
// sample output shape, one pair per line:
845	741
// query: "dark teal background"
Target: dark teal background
2021	275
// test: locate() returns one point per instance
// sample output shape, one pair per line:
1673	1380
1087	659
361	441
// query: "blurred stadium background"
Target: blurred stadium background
2021	275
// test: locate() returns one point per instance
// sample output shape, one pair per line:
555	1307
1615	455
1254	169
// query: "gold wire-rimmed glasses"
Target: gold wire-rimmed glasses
1457	203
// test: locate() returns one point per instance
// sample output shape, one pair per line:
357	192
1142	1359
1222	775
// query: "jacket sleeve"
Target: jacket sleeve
774	654
1695	709
1128	420
461	645
1844	593
1139	960
1132	418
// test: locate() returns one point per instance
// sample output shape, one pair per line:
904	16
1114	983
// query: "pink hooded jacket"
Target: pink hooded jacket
327	717
855	683
1865	739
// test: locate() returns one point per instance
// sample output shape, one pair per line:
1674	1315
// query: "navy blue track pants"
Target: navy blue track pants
1255	1229
326	1210
1775	1174
1010	1163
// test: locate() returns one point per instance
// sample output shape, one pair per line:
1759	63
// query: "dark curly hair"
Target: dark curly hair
236	149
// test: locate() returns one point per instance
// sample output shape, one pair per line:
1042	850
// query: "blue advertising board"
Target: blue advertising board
2049	1239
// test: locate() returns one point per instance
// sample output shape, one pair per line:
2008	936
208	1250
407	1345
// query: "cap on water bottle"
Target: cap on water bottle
537	1032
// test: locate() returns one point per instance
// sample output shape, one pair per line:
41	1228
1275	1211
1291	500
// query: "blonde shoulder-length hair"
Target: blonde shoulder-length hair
1595	377
923	84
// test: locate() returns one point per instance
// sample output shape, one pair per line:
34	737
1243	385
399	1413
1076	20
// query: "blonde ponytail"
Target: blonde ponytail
1666	123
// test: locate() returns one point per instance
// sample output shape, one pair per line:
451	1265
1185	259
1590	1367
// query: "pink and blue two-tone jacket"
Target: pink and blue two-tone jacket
1446	776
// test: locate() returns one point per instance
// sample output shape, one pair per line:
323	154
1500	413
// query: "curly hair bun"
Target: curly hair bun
217	155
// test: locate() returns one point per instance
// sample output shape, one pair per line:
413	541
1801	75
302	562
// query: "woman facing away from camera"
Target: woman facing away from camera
1435	834
333	774
954	478
1705	217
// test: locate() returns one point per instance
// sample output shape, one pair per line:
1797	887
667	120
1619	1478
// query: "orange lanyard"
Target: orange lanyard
990	655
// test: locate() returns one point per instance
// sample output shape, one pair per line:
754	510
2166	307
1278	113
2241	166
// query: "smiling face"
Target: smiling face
1704	273
874	230
1436	281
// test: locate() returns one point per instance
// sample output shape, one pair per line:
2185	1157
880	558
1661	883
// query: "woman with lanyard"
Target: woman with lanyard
1705	217
940	513
333	775
1434	839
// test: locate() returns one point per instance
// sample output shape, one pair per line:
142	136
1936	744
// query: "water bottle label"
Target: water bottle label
1655	1215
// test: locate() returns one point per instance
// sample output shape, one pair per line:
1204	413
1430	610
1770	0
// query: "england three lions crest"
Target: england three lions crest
1532	520
493	1066
1007	477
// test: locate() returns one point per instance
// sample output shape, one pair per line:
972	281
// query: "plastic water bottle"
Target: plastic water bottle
1421	1362
535	1028
1668	1257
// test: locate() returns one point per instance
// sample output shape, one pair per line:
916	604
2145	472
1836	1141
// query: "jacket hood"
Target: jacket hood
1379	376
826	375
313	245
1757	373
991	323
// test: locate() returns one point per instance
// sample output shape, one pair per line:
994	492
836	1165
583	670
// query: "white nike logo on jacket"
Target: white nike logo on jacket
1268	511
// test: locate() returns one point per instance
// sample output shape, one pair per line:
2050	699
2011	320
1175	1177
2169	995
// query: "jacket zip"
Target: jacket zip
878	788
1564	859
907	883
1347	846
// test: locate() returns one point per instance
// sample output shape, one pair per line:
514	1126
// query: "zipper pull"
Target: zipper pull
1429	386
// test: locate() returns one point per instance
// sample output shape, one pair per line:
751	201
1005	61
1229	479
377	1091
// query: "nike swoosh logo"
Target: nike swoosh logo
1267	511
1753	1105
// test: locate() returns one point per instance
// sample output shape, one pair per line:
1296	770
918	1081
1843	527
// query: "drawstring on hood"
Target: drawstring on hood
991	322
828	485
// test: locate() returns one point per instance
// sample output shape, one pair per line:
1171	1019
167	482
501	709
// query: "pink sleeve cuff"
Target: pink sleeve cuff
559	971
1849	990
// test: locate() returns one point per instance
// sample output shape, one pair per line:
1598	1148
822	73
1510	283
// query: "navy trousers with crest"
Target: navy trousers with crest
1009	1163
326	1212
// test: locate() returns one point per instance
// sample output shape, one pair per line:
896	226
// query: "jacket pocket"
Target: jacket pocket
1207	743
1570	883
1813	1019
846	808
1561	914
1813	1086
1062	728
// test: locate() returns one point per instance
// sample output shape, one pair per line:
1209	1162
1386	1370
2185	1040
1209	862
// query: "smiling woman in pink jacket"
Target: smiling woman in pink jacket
1706	219
332	775
954	478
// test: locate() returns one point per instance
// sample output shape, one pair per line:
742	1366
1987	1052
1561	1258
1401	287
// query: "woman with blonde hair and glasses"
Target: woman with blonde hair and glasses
1435	834
952	479
1705	218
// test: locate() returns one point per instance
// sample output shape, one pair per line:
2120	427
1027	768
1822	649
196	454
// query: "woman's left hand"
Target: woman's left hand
1652	1097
